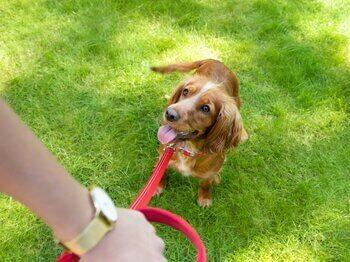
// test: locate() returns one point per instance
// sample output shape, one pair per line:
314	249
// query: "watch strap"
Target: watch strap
89	237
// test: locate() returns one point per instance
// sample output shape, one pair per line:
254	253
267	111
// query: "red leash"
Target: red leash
156	214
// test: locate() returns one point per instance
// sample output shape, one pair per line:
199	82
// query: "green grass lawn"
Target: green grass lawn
77	72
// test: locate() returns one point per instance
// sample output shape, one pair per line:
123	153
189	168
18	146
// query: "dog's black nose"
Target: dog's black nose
171	115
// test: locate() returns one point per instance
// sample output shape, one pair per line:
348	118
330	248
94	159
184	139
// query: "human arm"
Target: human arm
32	175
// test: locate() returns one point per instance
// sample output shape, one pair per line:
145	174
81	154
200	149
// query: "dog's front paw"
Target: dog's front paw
159	190
204	202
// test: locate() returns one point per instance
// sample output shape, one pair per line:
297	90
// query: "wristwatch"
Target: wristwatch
104	220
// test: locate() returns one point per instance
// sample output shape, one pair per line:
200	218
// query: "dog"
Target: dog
202	121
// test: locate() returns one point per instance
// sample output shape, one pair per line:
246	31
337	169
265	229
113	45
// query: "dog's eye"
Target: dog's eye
185	92
205	109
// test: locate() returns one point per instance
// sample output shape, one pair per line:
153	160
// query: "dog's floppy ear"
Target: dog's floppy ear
228	129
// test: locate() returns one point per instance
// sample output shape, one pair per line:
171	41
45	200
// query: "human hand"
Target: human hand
132	239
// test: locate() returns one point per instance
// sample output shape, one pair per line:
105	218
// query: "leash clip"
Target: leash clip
170	145
187	152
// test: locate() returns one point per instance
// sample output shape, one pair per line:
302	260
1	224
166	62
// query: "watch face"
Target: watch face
103	202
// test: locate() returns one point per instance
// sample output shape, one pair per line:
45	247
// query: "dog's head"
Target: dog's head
200	109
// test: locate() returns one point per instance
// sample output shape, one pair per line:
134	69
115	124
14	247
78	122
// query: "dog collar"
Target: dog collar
187	152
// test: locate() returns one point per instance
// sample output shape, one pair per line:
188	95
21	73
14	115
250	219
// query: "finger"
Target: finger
157	245
152	229
159	258
139	215
160	244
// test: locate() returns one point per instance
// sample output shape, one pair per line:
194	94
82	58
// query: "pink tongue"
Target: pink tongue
166	134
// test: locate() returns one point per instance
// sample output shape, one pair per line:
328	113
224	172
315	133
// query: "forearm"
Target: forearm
30	174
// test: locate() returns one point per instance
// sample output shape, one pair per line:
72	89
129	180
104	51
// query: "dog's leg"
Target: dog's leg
161	185
204	194
181	67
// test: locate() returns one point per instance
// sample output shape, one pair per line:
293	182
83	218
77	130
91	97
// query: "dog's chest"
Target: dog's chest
184	164
189	160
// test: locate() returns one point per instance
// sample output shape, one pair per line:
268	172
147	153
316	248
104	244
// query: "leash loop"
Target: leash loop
157	215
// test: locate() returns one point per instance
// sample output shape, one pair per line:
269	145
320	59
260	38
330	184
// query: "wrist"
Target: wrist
79	211
103	221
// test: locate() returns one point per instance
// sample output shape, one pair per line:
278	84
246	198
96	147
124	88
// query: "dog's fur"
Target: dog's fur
214	85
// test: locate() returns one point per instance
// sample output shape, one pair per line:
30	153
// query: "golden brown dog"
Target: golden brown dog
202	120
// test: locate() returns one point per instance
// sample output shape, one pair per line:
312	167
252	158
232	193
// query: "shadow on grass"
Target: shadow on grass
92	101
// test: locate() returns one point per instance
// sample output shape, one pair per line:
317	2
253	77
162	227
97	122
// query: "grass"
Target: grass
77	72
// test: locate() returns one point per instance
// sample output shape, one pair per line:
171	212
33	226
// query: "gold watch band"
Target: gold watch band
89	237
